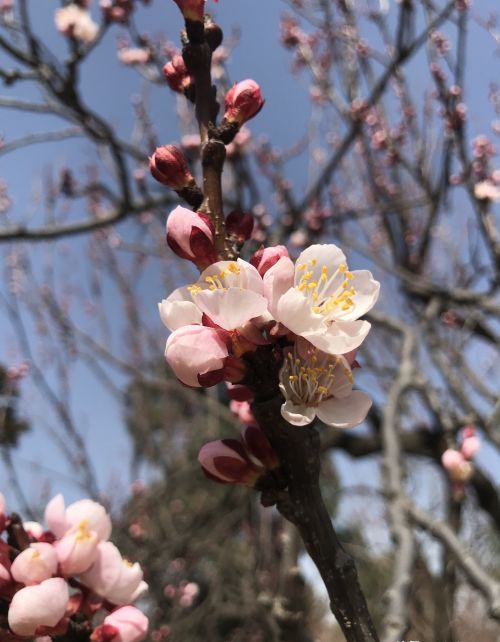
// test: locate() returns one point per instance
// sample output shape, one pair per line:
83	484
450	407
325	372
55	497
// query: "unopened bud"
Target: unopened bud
177	75
258	447
226	462
243	102
191	236
239	225
266	257
458	468
192	9
168	166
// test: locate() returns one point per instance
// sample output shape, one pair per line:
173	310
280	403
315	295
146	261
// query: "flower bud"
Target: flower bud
191	9
266	257
77	550
470	444
458	468
126	624
238	392
194	351
239	225
226	462
242	410
258	447
191	236
243	102
168	166
177	75
37	606
35	564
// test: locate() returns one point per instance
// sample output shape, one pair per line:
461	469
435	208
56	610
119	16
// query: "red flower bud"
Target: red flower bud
191	236
192	9
266	257
168	166
243	101
226	462
258	447
177	75
240	225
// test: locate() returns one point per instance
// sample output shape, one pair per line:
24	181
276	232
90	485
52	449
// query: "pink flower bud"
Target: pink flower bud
194	350
226	462
191	236
239	225
458	469
258	447
113	577
191	9
470	447
77	550
126	624
243	102
242	410
37	606
266	257
177	75
35	564
168	166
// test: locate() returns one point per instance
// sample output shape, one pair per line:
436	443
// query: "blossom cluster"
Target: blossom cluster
65	573
309	310
458	461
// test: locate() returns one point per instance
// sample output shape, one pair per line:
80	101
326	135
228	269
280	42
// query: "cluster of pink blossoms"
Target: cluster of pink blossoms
457	461
65	574
310	310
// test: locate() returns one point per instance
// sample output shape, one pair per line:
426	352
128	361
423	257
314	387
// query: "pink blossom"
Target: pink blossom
470	443
113	577
76	22
486	190
458	468
60	519
77	550
134	56
34	529
314	383
230	293
35	606
35	564
320	299
194	351
126	624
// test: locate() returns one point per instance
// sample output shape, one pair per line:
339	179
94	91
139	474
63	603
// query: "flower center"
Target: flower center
216	281
318	291
310	380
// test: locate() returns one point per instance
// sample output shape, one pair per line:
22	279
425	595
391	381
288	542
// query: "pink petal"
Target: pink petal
41	605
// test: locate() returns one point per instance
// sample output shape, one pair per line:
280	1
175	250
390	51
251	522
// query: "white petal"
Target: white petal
179	310
347	412
233	274
297	415
367	291
319	255
340	337
231	308
277	280
295	312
